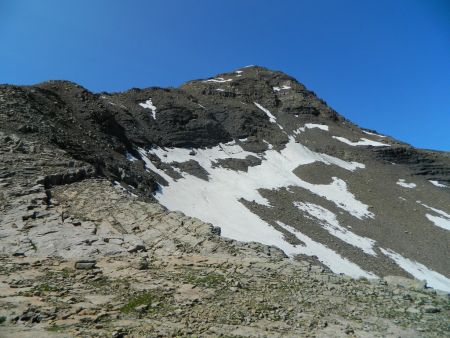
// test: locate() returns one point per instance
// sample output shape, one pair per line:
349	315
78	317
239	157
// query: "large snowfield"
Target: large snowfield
218	200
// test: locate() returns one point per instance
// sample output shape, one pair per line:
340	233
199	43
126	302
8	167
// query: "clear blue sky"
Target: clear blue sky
383	64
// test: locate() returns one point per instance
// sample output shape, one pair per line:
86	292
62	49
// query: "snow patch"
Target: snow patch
272	118
401	182
440	212
369	133
337	193
220	89
274	172
361	142
219	200
437	184
419	271
150	166
149	105
118	185
130	157
277	89
442	221
269	145
218	80
314	125
330	223
350	166
330	258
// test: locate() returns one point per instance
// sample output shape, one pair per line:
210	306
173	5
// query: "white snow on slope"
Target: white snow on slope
117	184
328	159
330	223
277	89
330	258
274	172
218	80
130	157
440	212
217	200
442	221
361	142
437	184
420	271
401	182
149	104
337	192
314	125
205	156
272	118
369	133
269	145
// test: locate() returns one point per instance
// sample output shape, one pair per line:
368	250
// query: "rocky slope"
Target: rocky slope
87	250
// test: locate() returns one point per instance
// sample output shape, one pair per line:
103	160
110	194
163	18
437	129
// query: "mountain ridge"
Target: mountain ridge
245	164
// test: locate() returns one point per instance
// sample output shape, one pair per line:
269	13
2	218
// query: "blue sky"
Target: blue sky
383	64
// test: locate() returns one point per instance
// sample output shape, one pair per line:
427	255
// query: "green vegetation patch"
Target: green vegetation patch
45	287
155	301
210	280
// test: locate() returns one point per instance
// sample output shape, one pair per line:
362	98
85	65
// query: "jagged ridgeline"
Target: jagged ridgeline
247	165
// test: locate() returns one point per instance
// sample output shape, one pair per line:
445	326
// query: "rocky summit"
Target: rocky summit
236	206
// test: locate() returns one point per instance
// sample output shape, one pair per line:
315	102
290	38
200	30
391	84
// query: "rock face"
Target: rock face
223	207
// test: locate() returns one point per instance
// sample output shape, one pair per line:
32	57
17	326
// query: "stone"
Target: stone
85	264
431	309
141	308
141	264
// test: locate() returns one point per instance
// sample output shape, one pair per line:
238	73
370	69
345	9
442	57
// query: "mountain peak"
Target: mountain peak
243	193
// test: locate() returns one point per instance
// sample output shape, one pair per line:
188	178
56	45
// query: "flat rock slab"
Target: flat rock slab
85	264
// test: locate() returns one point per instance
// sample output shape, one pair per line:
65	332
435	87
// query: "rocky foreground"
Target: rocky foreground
83	257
